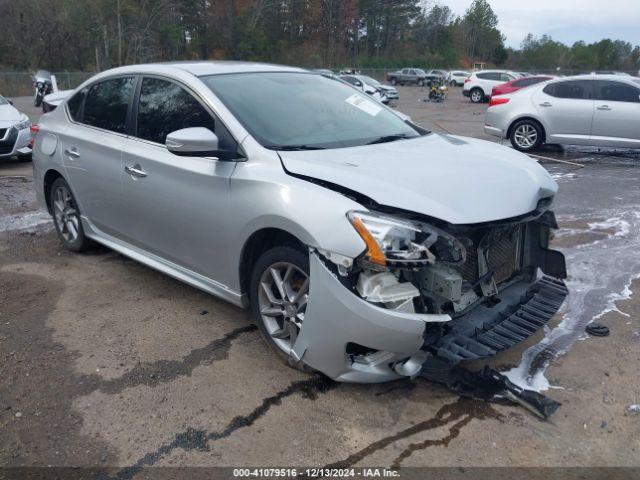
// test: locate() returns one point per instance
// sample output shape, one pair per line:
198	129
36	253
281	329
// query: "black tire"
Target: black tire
81	242
37	102
288	254
523	130
476	95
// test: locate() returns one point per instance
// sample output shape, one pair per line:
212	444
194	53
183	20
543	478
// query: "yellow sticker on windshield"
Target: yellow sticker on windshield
367	106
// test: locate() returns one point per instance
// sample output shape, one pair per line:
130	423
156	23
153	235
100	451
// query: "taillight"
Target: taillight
467	80
498	101
33	129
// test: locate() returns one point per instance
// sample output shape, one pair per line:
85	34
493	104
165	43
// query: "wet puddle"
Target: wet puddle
602	263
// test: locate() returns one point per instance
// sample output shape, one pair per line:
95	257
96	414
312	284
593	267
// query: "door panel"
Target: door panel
178	210
616	120
93	162
177	206
92	150
567	120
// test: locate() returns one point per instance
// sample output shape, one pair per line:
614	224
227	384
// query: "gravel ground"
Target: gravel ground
105	362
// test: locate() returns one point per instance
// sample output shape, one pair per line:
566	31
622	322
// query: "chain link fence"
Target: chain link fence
18	84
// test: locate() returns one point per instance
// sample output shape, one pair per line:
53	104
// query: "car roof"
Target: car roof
202	68
589	76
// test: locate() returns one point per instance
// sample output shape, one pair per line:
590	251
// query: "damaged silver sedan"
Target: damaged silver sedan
362	243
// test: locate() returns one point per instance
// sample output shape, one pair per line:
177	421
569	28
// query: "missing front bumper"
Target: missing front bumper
490	328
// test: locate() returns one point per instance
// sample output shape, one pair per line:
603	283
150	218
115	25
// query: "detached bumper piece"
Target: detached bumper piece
487	385
487	330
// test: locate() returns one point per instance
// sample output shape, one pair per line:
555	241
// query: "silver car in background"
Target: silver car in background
363	244
15	134
598	110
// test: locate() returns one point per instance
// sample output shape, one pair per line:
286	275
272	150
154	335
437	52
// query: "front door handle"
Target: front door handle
604	107
73	153
135	171
545	104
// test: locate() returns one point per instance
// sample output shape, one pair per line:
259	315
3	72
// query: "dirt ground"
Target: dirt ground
105	362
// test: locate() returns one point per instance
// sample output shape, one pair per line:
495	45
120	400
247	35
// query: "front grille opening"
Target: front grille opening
503	255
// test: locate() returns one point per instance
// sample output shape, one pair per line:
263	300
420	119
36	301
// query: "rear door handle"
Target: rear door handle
73	153
135	171
545	104
604	107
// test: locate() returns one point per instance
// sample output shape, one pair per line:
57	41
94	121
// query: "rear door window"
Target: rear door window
573	89
616	92
107	103
489	76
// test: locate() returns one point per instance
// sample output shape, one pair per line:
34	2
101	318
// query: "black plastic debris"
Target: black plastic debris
488	385
597	330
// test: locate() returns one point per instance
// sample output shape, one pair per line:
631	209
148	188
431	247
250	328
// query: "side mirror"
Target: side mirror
370	90
10	101
193	142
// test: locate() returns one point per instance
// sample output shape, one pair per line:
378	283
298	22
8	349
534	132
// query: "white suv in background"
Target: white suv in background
479	84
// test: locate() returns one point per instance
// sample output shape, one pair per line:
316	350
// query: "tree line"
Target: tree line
99	34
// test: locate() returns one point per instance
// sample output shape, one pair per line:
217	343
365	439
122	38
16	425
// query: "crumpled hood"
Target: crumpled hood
9	116
456	179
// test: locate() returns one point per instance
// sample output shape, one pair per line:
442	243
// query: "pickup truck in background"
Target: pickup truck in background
409	76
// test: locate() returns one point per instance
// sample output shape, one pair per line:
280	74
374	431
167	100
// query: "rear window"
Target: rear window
526	82
574	89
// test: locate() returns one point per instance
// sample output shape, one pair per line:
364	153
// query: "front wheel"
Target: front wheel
279	292
526	136
66	217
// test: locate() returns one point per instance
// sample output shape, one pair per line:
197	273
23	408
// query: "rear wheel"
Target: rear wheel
279	292
66	217
526	135
476	95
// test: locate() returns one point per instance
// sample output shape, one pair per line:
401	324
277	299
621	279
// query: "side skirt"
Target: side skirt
158	263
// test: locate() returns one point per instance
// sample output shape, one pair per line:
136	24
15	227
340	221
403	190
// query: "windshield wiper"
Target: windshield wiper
293	148
390	138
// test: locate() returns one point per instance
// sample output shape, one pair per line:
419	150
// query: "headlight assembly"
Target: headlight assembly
398	242
24	124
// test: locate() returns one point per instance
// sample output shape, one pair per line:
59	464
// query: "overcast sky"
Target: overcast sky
565	20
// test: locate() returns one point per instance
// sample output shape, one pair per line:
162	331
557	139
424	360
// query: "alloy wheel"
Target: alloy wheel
282	300
66	215
525	136
476	96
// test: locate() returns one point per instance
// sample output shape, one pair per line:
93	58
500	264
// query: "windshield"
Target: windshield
285	110
3	101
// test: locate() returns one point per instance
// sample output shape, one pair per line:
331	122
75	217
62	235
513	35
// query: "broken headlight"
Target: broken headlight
398	242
